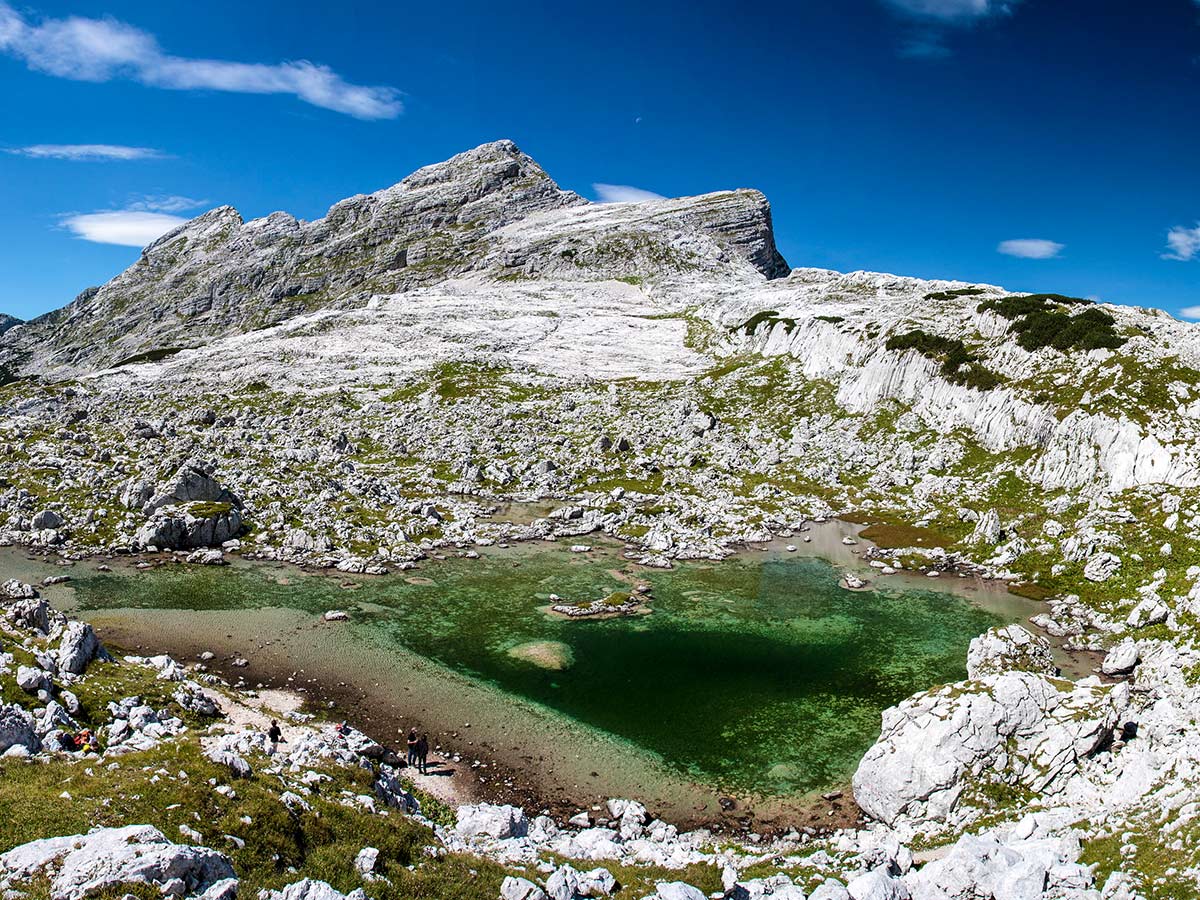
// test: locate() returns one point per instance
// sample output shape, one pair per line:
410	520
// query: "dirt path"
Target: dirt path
256	713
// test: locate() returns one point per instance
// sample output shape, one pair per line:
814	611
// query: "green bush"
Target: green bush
959	365
1043	320
957	292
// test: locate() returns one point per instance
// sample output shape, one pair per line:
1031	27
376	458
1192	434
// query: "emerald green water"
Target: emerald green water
756	676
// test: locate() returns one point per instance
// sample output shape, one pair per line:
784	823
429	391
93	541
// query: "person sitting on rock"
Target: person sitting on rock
275	736
423	754
87	742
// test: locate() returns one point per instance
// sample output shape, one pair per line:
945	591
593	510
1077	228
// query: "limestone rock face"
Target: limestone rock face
220	275
80	864
1009	649
1025	727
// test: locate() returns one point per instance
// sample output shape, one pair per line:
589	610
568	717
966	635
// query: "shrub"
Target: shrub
1043	320
957	292
959	365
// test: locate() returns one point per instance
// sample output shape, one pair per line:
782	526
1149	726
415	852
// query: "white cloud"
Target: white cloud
1030	248
953	11
623	193
127	227
87	152
1183	244
85	49
1190	312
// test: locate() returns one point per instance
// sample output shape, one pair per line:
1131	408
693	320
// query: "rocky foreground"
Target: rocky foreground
187	797
368	389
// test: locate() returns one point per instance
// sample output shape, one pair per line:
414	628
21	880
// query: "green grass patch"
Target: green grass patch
1031	591
895	536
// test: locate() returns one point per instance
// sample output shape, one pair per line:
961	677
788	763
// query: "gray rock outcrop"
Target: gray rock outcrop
1018	726
106	858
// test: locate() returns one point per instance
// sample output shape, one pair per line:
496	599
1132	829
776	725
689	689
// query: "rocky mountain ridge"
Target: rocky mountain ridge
219	275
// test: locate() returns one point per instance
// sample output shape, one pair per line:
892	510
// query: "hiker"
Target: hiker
412	747
275	736
87	742
423	754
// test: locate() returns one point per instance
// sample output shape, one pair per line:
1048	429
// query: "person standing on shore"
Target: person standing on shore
274	735
412	747
423	754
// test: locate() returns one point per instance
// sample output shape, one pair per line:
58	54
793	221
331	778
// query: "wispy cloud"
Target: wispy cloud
1030	248
623	193
87	152
172	203
1190	312
929	21
1183	244
951	11
84	49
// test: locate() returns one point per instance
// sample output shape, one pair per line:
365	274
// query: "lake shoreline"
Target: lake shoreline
503	773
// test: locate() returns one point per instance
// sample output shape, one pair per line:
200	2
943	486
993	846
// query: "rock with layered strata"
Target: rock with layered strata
1017	726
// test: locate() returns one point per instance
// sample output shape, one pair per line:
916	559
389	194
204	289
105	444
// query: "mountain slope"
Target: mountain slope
219	275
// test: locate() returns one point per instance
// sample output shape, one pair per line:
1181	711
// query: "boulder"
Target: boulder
563	884
1007	650
513	888
78	647
367	859
1002	865
877	885
193	483
987	529
1101	567
1121	659
677	890
16	729
599	883
32	680
110	858
776	887
1149	611
830	889
488	820
191	527
46	518
237	765
17	590
33	614
193	511
310	889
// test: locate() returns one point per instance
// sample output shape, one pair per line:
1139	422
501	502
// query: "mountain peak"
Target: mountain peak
492	211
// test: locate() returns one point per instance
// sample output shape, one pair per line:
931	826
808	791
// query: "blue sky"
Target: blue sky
921	137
